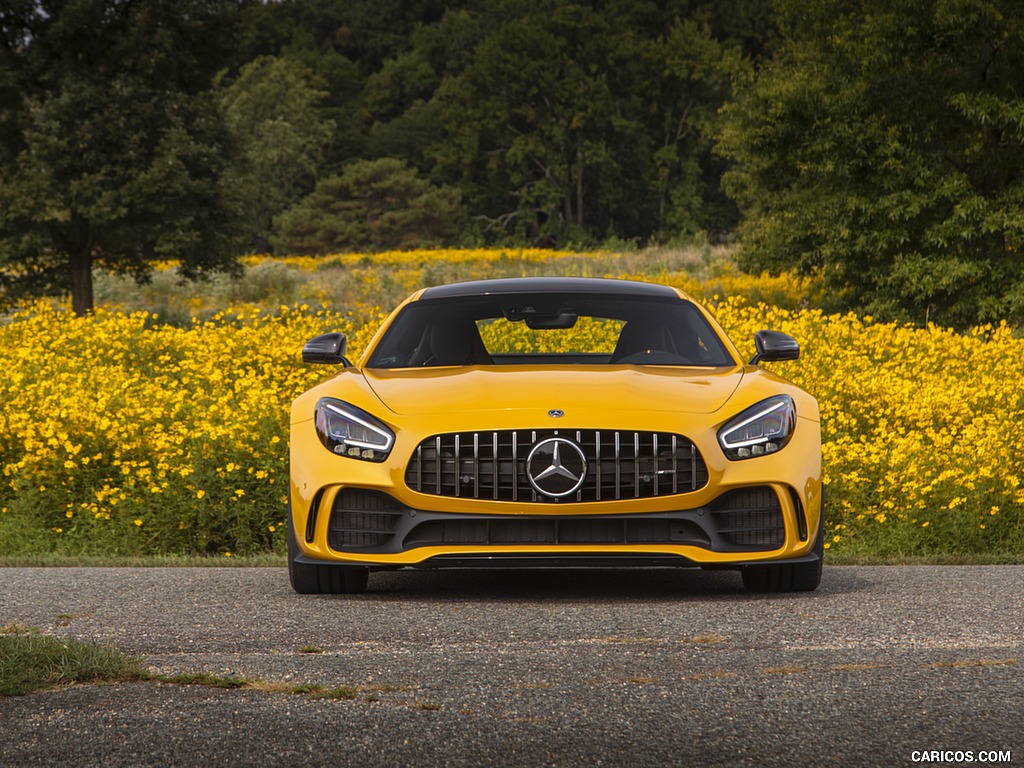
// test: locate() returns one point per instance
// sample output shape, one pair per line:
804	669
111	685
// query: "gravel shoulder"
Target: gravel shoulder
556	668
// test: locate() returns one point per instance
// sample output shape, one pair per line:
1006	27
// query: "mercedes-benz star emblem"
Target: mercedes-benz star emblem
556	467
556	413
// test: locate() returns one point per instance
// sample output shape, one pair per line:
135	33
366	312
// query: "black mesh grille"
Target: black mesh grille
556	530
362	519
741	520
750	518
491	465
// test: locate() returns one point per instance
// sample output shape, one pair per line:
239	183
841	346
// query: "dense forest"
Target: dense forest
879	144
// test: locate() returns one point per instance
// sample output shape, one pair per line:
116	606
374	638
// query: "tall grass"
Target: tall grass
345	281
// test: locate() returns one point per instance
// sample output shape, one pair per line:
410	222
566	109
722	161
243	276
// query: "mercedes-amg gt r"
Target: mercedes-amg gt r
554	422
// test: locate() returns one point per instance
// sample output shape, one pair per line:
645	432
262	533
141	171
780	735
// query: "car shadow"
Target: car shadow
499	585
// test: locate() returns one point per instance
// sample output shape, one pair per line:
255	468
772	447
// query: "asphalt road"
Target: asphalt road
880	667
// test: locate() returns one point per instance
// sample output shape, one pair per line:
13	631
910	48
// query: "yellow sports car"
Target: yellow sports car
554	422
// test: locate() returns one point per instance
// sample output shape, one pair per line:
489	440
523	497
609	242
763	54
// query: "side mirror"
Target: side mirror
773	346
327	348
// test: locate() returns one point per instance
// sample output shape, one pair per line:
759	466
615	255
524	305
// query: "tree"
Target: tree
114	153
531	121
676	76
405	119
374	205
557	120
271	111
883	146
572	120
343	42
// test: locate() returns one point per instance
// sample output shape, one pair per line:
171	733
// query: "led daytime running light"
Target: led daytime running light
763	429
348	431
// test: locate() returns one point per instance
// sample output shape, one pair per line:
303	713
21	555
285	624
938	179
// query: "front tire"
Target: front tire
785	577
311	579
790	577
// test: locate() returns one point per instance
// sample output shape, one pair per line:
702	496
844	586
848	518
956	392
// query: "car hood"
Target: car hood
504	388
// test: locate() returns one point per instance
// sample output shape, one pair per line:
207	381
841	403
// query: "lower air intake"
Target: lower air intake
750	518
362	519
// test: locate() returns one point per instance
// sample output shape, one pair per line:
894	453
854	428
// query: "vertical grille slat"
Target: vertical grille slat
675	464
636	465
495	480
515	466
419	466
618	467
657	462
476	465
437	465
458	467
492	465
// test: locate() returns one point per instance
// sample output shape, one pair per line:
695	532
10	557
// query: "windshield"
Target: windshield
551	329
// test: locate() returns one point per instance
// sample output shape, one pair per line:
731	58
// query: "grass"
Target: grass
311	690
340	282
54	560
204	679
31	661
946	558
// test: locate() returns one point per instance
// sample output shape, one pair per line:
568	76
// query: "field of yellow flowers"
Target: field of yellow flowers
123	434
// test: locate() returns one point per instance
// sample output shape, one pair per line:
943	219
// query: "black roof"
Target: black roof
588	285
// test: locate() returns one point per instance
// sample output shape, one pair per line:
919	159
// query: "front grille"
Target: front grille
362	519
492	465
750	518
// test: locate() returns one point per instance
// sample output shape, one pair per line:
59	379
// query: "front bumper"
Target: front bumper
764	510
355	525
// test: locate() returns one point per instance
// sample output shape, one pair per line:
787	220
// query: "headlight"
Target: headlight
348	431
759	430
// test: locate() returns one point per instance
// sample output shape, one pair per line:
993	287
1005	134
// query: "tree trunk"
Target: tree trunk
80	266
579	188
